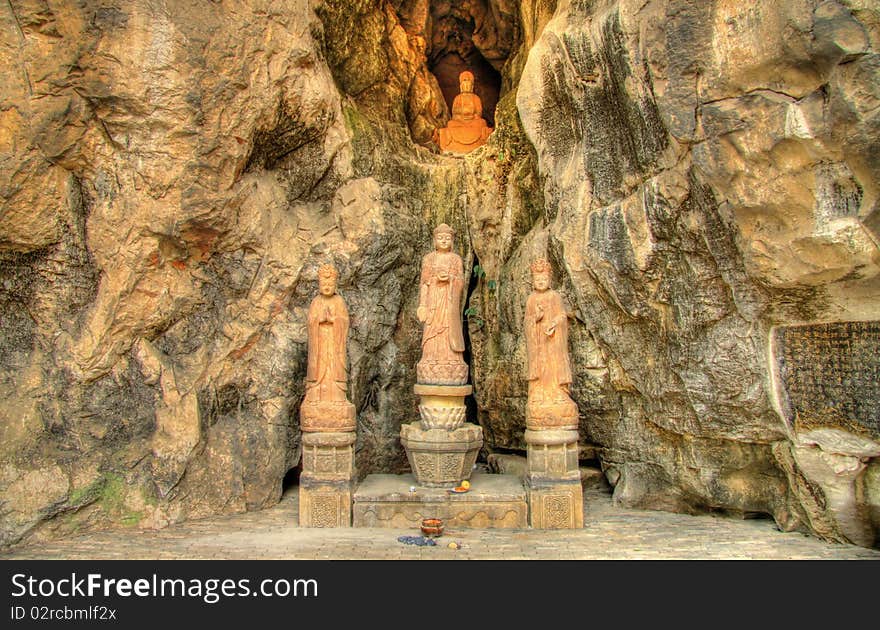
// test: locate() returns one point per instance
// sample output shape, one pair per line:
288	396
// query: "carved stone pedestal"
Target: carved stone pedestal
553	479
439	457
557	505
442	406
558	414
327	416
325	485
323	503
494	501
441	447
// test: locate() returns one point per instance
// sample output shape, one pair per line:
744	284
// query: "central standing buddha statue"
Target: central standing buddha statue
441	285
441	448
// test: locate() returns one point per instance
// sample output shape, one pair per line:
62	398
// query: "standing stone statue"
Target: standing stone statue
325	406
441	448
327	418
467	129
549	369
553	479
442	281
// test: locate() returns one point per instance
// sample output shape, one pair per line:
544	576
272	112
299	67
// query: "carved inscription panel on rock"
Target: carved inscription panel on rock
829	375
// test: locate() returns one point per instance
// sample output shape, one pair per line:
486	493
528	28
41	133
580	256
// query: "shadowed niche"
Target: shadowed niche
487	82
475	35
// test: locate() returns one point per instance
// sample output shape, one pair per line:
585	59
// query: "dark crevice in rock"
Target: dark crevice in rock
291	478
17	327
472	318
872	222
111	413
505	450
274	147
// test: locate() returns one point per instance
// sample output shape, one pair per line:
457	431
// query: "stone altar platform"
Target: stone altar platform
493	502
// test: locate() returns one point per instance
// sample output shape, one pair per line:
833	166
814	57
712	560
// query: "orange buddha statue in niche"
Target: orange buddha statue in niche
467	129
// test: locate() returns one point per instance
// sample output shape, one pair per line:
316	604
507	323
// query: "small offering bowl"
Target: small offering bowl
432	527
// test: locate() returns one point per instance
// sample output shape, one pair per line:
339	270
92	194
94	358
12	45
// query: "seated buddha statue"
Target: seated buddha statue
467	129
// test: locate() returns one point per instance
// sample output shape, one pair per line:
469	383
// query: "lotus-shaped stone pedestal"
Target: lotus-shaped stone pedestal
442	448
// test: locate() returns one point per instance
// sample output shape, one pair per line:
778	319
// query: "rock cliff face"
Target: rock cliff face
172	175
709	171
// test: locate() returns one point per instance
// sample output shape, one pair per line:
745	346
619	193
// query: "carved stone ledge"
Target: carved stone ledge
328	456
555	505
552	455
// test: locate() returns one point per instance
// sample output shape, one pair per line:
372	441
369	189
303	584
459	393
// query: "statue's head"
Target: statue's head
466	81
443	236
541	274
327	276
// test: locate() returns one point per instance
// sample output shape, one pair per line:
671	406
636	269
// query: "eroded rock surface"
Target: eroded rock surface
706	175
174	176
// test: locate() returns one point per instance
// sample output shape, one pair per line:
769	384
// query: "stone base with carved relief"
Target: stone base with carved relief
493	502
442	373
552	454
555	505
442	406
324	503
327	416
439	457
555	414
325	485
553	479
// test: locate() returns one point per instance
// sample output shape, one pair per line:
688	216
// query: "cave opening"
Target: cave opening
447	66
291	479
475	35
471	318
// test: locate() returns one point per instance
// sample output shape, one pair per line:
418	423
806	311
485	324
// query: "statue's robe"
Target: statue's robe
549	368
326	374
442	337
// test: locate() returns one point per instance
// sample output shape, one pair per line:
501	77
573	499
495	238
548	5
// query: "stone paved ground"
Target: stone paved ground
609	533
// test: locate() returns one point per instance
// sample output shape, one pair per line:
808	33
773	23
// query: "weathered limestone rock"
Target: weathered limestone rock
836	461
383	65
872	494
517	465
193	166
706	175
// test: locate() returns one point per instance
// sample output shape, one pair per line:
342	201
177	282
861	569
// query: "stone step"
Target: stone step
493	501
